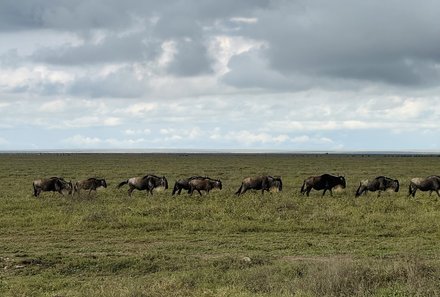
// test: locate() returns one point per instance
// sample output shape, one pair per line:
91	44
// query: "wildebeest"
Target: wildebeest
90	184
184	184
52	184
431	183
263	183
148	182
380	183
322	182
203	184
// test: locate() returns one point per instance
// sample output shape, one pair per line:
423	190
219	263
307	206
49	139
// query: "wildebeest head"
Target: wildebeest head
64	185
275	182
395	185
342	180
164	182
103	183
217	184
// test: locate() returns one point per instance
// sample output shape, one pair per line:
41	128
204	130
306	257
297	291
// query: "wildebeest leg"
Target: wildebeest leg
378	193
308	191
331	193
438	194
323	193
242	191
130	190
199	192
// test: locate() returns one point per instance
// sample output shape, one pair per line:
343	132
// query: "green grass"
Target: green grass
279	244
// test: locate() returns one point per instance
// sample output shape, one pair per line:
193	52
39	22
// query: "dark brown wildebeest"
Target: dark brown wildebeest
52	184
380	183
184	184
148	182
431	183
322	182
90	184
204	184
263	183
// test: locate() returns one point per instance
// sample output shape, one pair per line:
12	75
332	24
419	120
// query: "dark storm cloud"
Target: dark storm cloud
380	42
191	59
134	47
392	42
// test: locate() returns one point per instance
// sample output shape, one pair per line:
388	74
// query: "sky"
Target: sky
229	75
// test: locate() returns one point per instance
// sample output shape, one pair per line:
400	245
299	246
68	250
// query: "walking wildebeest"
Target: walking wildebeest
431	183
52	184
184	184
380	183
148	182
322	182
203	184
90	184
263	183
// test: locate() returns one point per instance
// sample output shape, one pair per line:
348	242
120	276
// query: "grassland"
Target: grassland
279	244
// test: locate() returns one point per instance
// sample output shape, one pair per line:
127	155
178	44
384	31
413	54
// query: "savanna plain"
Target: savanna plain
276	244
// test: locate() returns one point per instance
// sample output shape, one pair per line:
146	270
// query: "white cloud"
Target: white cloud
80	140
53	106
92	121
137	131
140	109
249	138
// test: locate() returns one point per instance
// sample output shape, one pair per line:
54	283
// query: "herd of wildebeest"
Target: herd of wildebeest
325	182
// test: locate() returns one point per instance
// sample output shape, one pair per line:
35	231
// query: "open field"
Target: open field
279	244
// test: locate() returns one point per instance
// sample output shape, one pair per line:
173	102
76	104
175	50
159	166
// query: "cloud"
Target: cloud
119	83
53	106
355	42
80	141
283	74
92	121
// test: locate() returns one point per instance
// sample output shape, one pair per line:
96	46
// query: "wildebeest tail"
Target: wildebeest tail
239	190
35	188
303	187
123	183
410	189
281	184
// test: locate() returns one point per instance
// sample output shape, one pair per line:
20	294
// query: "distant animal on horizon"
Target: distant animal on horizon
52	184
263	183
184	184
148	182
203	184
90	184
324	182
380	183
430	183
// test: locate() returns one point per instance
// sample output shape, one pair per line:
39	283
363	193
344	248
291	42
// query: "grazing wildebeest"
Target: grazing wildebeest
263	183
204	184
52	184
90	184
322	182
148	182
380	183
431	183
184	184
